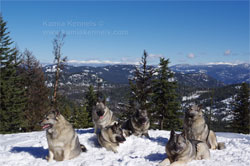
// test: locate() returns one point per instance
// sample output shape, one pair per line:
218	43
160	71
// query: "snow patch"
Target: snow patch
31	149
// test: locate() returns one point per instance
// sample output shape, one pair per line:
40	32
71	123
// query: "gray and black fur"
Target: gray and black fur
111	136
195	127
62	139
102	116
138	125
181	150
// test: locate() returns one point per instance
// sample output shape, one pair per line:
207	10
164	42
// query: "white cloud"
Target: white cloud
191	55
236	62
227	52
153	56
102	62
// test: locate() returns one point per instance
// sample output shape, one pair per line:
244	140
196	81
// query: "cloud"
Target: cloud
102	62
227	52
154	56
191	55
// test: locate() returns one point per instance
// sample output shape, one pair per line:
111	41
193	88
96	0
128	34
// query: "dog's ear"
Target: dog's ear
119	124
184	135
199	106
57	113
172	133
101	99
104	101
115	126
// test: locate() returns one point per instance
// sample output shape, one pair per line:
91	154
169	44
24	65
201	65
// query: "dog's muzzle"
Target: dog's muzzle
100	113
46	126
120	139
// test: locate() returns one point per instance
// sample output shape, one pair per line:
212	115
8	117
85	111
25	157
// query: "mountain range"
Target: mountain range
190	75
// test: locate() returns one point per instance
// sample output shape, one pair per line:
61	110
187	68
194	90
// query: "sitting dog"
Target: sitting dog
102	116
62	139
181	150
138	124
111	136
196	128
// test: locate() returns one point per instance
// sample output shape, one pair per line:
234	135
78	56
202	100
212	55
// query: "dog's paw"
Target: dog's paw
49	159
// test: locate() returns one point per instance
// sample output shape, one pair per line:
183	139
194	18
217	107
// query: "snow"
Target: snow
194	96
106	69
31	149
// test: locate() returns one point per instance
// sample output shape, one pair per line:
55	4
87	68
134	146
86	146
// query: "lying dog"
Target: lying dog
111	136
138	124
181	150
62	139
196	128
102	116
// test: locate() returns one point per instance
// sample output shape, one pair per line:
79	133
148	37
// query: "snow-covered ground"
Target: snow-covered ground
31	148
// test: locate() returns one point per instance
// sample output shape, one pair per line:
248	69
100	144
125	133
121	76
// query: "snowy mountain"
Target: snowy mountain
119	74
226	73
31	148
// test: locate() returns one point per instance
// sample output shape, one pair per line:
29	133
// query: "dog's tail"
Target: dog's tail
84	149
221	145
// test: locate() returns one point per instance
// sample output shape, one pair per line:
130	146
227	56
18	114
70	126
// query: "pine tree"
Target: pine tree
90	102
140	85
66	111
58	42
81	117
241	110
12	92
166	110
36	91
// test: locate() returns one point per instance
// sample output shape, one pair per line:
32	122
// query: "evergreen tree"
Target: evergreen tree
166	110
12	92
241	110
141	85
58	42
81	117
90	102
66	111
36	91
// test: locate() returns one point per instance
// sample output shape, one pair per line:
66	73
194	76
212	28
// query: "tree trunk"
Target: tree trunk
56	83
161	124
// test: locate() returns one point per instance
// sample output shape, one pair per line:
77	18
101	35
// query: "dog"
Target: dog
111	136
102	116
138	125
181	150
196	128
62	139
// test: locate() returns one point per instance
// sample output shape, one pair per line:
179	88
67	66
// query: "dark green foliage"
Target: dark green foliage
141	85
241	110
12	92
166	112
36	91
67	112
76	114
90	101
81	117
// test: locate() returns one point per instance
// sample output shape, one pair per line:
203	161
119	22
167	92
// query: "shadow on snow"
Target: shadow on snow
156	157
160	140
37	152
84	131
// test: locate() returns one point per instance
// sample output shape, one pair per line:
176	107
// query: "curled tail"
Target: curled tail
84	149
221	145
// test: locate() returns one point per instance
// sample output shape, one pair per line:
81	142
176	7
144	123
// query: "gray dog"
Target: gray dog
102	116
138	124
181	150
111	136
62	139
196	128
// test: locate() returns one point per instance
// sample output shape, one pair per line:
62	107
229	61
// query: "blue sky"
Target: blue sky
185	31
